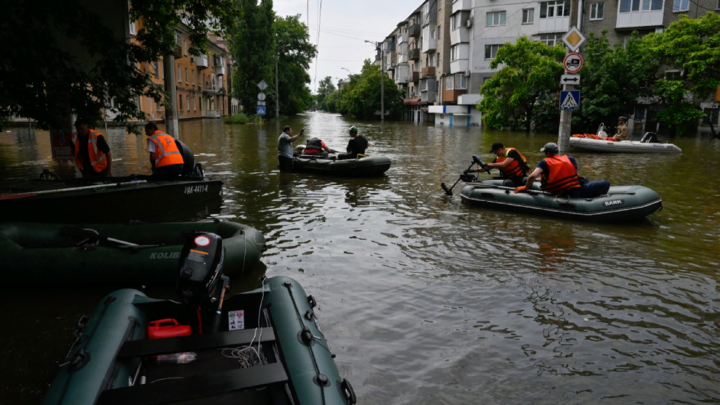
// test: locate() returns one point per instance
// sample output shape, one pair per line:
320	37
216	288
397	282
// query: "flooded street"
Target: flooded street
429	301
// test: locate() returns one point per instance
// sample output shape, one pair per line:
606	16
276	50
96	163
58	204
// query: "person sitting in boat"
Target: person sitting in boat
559	176
165	158
511	163
316	147
356	145
622	131
92	153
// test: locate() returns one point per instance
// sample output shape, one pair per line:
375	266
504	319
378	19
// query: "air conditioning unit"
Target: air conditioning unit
469	23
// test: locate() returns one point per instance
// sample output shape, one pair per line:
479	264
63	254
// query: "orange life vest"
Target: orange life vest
166	151
514	168
97	157
562	177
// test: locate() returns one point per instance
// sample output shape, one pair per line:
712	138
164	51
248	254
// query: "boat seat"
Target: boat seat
195	387
153	347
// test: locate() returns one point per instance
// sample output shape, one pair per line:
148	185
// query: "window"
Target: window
681	5
673	75
186	76
178	39
718	6
158	106
596	11
627	6
552	9
460	82
188	103
156	65
132	28
192	77
495	19
194	103
491	51
551	39
179	74
639	114
455	53
528	16
432	32
180	103
711	116
450	83
439	29
151	101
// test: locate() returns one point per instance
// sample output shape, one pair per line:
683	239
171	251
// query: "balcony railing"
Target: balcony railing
415	76
414	54
220	70
414	30
201	61
428	71
211	113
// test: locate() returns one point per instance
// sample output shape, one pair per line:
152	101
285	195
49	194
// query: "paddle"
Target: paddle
448	191
94	235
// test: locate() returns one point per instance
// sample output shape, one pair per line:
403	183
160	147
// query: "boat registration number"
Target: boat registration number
196	189
613	202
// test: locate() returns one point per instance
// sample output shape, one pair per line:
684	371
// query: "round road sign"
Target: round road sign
573	63
261	96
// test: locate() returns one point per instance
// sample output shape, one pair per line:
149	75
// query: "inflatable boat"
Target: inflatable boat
363	166
53	254
621	203
597	145
260	347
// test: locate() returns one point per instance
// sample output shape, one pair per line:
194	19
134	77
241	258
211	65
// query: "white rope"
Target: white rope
244	354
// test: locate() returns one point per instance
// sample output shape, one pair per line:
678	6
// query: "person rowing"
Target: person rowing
511	163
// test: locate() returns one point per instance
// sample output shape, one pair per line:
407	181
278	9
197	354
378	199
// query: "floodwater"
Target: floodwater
428	301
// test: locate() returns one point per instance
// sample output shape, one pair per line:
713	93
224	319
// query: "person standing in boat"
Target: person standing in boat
92	153
285	148
511	163
165	157
559	176
622	130
356	145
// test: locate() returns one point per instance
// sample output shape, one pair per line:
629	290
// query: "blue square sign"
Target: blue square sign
260	110
570	100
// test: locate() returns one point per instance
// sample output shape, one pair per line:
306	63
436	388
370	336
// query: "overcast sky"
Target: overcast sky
343	27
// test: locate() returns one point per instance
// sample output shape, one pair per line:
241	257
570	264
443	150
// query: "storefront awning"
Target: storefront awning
411	101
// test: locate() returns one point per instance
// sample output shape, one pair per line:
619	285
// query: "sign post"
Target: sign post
569	98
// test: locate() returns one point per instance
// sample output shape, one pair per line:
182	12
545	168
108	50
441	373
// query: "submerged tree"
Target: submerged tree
531	72
361	97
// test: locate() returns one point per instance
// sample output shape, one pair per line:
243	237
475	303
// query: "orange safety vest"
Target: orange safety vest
562	177
514	169
97	157
166	151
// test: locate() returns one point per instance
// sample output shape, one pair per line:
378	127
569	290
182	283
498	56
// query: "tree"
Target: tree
252	44
693	47
326	87
532	71
293	47
331	101
613	80
361	97
59	61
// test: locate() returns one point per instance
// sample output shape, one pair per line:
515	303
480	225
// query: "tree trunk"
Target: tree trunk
528	119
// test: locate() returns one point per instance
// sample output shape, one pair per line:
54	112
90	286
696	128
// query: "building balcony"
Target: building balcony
389	46
201	61
553	25
429	45
459	66
636	19
414	30
415	76
211	113
414	54
428	71
402	38
429	18
401	74
220	70
451	96
469	99
402	58
460	5
459	36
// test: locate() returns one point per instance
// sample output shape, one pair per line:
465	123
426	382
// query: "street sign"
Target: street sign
262	85
573	39
260	110
261	96
573	63
570	79
570	100
261	103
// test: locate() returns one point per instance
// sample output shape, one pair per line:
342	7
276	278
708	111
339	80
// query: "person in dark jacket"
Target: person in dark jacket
356	145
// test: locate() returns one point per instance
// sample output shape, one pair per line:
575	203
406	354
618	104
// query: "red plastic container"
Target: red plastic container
165	328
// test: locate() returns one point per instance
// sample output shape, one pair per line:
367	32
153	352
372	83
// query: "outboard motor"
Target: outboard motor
200	274
649	137
188	159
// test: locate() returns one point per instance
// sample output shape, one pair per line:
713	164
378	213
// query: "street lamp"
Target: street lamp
351	73
378	47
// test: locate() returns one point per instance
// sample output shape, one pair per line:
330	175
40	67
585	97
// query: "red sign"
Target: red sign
573	62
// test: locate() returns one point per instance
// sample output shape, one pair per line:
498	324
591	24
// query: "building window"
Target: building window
718	7
192	77
680	5
675	75
450	83
180	103
711	116
132	28
491	51
460	82
495	19
156	65
627	6
186	77
528	16
551	39
552	9
596	11
194	103
639	114
454	52
179	74
158	106
188	103
439	29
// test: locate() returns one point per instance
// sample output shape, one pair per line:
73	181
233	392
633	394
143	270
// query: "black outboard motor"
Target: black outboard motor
188	158
649	137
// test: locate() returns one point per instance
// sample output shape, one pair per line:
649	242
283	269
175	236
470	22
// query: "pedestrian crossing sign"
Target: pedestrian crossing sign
570	100
260	110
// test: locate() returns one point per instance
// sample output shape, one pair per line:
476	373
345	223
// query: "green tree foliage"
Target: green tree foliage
361	97
45	44
613	80
252	44
693	47
326	87
531	72
292	44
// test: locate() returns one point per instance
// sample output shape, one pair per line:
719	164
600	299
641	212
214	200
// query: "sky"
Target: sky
344	25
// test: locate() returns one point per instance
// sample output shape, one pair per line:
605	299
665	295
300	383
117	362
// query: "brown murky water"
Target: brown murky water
428	301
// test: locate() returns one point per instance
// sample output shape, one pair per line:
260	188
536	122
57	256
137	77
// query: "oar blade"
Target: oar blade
447	190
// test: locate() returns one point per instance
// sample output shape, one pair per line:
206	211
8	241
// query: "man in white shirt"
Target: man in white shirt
285	148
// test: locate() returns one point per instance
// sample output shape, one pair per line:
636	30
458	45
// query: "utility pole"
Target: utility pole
378	47
171	118
277	89
565	124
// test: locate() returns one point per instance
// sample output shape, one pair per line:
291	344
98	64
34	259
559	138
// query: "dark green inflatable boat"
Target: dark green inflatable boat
621	203
364	166
55	254
277	356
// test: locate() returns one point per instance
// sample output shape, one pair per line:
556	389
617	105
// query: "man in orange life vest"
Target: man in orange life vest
559	176
165	158
92	153
511	163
